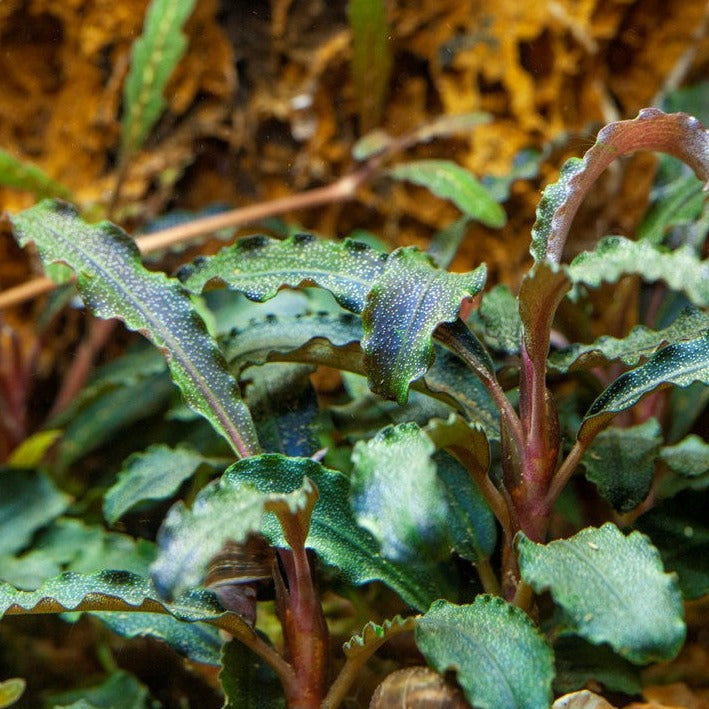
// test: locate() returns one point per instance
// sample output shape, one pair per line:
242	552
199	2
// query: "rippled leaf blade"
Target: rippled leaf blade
612	589
500	659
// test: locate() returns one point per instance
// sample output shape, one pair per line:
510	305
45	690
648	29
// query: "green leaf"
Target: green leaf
258	267
397	496
196	641
677	134
29	500
579	662
639	342
616	256
612	589
679	529
11	690
21	175
371	58
114	283
248	682
445	243
497	319
621	463
334	534
156	474
373	636
688	463
449	180
501	659
404	307
120	691
680	365
154	56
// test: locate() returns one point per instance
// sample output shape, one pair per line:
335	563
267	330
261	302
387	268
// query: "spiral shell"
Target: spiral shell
417	688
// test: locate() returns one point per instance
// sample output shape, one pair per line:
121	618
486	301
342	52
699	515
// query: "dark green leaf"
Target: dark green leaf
640	342
621	463
616	256
449	180
155	474
113	283
22	175
334	533
497	320
405	305
29	500
676	134
154	56
686	406
248	682
500	659
680	530
119	691
258	267
397	496
612	589
678	365
689	457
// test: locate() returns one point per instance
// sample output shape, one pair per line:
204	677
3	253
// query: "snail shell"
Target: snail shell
417	688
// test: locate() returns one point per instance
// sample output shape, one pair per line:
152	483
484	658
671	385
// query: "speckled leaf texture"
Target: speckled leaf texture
500	659
679	365
335	536
258	267
113	283
154	56
676	134
404	307
612	589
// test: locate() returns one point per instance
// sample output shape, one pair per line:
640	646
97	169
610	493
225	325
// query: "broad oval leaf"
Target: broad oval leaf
404	307
612	589
677	134
397	496
449	180
334	534
258	267
621	463
497	320
616	256
500	659
114	283
688	466
154	56
679	364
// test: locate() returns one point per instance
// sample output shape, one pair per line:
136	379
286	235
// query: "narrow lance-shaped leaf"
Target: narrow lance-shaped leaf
154	56
615	256
612	589
500	659
680	365
258	267
449	180
677	134
114	283
23	175
404	307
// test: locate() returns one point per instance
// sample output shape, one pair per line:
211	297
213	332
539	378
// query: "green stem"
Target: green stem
487	577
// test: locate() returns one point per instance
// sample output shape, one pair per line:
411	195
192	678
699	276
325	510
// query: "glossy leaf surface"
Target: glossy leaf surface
500	659
113	283
612	589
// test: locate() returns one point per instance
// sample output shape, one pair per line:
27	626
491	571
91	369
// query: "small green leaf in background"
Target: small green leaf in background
397	496
32	450
154	56
404	307
120	691
497	320
621	463
612	589
449	180
680	530
371	58
616	256
500	659
155	474
679	364
21	175
29	500
11	690
114	283
248	682
688	466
